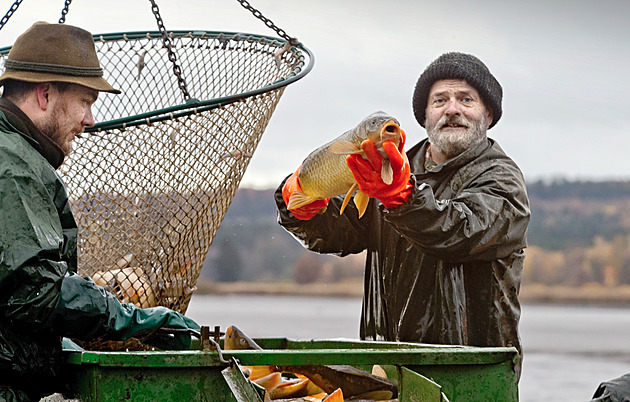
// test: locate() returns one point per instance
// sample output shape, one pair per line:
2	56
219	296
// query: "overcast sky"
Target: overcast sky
564	67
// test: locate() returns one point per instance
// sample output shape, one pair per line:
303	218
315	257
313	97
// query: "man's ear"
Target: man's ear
42	91
490	117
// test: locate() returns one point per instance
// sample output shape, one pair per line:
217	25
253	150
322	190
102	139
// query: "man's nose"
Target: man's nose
452	108
88	119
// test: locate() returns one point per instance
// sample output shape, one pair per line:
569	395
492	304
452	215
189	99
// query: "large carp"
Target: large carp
324	173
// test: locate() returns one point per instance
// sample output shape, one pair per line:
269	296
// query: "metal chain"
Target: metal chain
9	13
171	54
258	14
64	12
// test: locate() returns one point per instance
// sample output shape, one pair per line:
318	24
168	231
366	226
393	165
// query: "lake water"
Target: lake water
568	350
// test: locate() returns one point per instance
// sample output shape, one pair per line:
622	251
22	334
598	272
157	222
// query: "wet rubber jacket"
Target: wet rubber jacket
445	267
41	296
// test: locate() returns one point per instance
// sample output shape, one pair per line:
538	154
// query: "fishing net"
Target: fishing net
150	184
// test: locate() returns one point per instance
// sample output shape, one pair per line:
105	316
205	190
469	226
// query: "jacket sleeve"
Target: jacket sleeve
32	244
38	291
330	232
486	219
86	311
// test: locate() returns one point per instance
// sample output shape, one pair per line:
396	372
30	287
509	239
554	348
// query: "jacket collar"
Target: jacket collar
419	150
25	127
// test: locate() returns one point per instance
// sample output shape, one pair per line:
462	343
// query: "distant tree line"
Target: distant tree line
569	214
576	232
605	262
559	189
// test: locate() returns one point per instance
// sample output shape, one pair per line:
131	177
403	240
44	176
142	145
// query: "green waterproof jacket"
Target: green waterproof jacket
41	297
445	267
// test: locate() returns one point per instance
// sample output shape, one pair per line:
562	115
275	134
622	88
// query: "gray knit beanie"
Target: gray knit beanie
464	67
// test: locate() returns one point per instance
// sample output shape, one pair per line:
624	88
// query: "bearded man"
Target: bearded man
445	239
52	78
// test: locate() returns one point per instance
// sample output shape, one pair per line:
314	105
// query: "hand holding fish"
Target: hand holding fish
368	174
307	211
325	173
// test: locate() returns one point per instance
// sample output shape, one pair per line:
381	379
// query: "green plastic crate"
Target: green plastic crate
423	372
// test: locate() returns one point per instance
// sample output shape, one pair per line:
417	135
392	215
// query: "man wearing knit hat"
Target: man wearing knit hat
51	80
445	238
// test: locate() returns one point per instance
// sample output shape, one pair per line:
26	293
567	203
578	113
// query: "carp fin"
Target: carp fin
361	200
269	381
298	199
336	396
344	148
258	372
387	173
346	200
378	371
289	389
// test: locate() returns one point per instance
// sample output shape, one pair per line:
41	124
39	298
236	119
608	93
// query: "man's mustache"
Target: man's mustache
453	121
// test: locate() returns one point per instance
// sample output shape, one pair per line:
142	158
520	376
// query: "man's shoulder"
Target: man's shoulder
11	142
17	154
492	165
9	134
497	154
495	147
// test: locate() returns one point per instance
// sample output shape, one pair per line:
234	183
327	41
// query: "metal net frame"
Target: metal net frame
150	184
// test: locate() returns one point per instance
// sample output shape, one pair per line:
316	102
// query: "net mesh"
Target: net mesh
150	190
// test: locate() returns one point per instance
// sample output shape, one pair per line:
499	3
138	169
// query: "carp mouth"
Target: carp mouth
390	131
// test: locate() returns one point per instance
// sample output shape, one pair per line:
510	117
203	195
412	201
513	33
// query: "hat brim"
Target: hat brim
97	83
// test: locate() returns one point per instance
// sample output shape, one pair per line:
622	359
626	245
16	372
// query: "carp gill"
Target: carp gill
324	173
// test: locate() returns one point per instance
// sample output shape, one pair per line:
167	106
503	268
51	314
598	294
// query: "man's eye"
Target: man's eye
467	99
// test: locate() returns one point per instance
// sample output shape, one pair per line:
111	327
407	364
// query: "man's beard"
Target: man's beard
52	130
453	143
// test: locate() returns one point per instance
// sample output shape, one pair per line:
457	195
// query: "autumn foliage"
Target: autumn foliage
579	234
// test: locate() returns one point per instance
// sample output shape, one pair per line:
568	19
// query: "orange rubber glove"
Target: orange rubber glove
304	212
367	173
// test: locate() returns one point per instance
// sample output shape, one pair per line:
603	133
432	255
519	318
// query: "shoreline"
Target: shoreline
340	289
591	294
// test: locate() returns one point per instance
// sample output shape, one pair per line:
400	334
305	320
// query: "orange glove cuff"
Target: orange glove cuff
304	212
